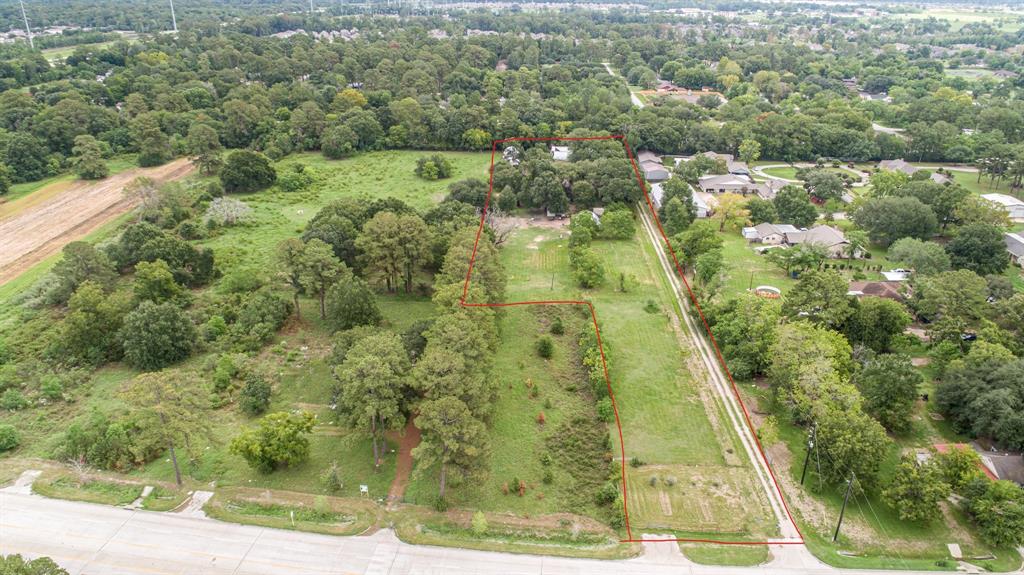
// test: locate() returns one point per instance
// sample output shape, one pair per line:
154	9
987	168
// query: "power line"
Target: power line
174	21
28	31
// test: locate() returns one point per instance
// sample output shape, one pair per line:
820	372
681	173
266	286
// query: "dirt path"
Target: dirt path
407	441
42	230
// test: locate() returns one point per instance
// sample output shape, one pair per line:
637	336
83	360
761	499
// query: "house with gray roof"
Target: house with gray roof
833	240
653	169
1015	245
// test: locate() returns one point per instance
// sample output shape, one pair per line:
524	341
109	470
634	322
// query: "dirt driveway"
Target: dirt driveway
30	236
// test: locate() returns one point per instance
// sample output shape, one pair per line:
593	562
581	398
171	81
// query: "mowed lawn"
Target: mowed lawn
668	428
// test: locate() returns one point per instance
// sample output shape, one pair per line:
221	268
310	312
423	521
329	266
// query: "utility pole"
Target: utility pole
174	21
846	498
810	446
28	31
310	7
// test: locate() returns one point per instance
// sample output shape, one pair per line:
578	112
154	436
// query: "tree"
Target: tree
745	330
974	209
889	385
618	224
372	381
731	211
794	207
700	238
959	294
246	171
5	178
89	332
821	297
979	248
916	490
204	148
889	219
824	185
154	282
587	268
17	565
959	467
851	441
338	141
885	183
290	258
227	211
157	335
750	151
154	145
761	211
803	257
453	439
998	507
81	262
875	322
923	257
395	246
170	409
351	303
281	439
88	158
319	269
434	167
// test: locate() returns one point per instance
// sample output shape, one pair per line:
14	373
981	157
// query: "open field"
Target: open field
969	73
672	426
71	211
1006	21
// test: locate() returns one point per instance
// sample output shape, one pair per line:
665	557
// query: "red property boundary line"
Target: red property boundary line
597	330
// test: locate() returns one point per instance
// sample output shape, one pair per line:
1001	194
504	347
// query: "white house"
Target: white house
1013	206
769	234
560	153
1015	245
736	184
703	209
827	237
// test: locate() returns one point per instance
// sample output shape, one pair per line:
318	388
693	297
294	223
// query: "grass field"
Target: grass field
1006	21
790	173
671	424
969	73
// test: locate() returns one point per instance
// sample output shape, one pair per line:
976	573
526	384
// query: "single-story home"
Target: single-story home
731	163
653	169
736	184
896	275
828	237
1014	206
769	234
1015	245
887	289
657	194
560	153
901	165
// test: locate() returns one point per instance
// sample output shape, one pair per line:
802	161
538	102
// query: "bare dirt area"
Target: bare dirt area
407	441
32	235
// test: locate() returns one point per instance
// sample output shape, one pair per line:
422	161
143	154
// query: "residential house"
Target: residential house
769	234
887	289
1015	245
730	183
833	240
734	166
653	169
908	169
703	209
511	155
560	153
1014	207
657	195
1004	74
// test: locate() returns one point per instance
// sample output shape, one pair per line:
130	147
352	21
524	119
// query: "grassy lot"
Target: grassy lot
970	181
789	173
969	73
671	425
736	555
91	490
1007	21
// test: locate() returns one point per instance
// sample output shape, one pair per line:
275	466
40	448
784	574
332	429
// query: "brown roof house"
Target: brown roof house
833	240
888	289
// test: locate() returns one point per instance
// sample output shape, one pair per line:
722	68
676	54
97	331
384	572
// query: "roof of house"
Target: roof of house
940	178
717	156
657	194
897	166
648	165
1003	199
647	156
887	289
1015	244
725	180
822	235
766	229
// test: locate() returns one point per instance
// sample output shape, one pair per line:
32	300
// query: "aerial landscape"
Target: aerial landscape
652	287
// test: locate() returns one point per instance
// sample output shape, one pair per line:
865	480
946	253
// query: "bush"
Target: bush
605	410
433	167
246	171
13	400
557	328
295	180
545	348
157	335
281	439
331	478
351	303
9	438
479	523
255	396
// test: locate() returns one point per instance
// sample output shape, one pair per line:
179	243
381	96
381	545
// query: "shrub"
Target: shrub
605	410
331	478
9	438
545	348
255	396
433	167
479	523
294	180
13	400
246	171
548	478
281	439
608	493
157	335
557	328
